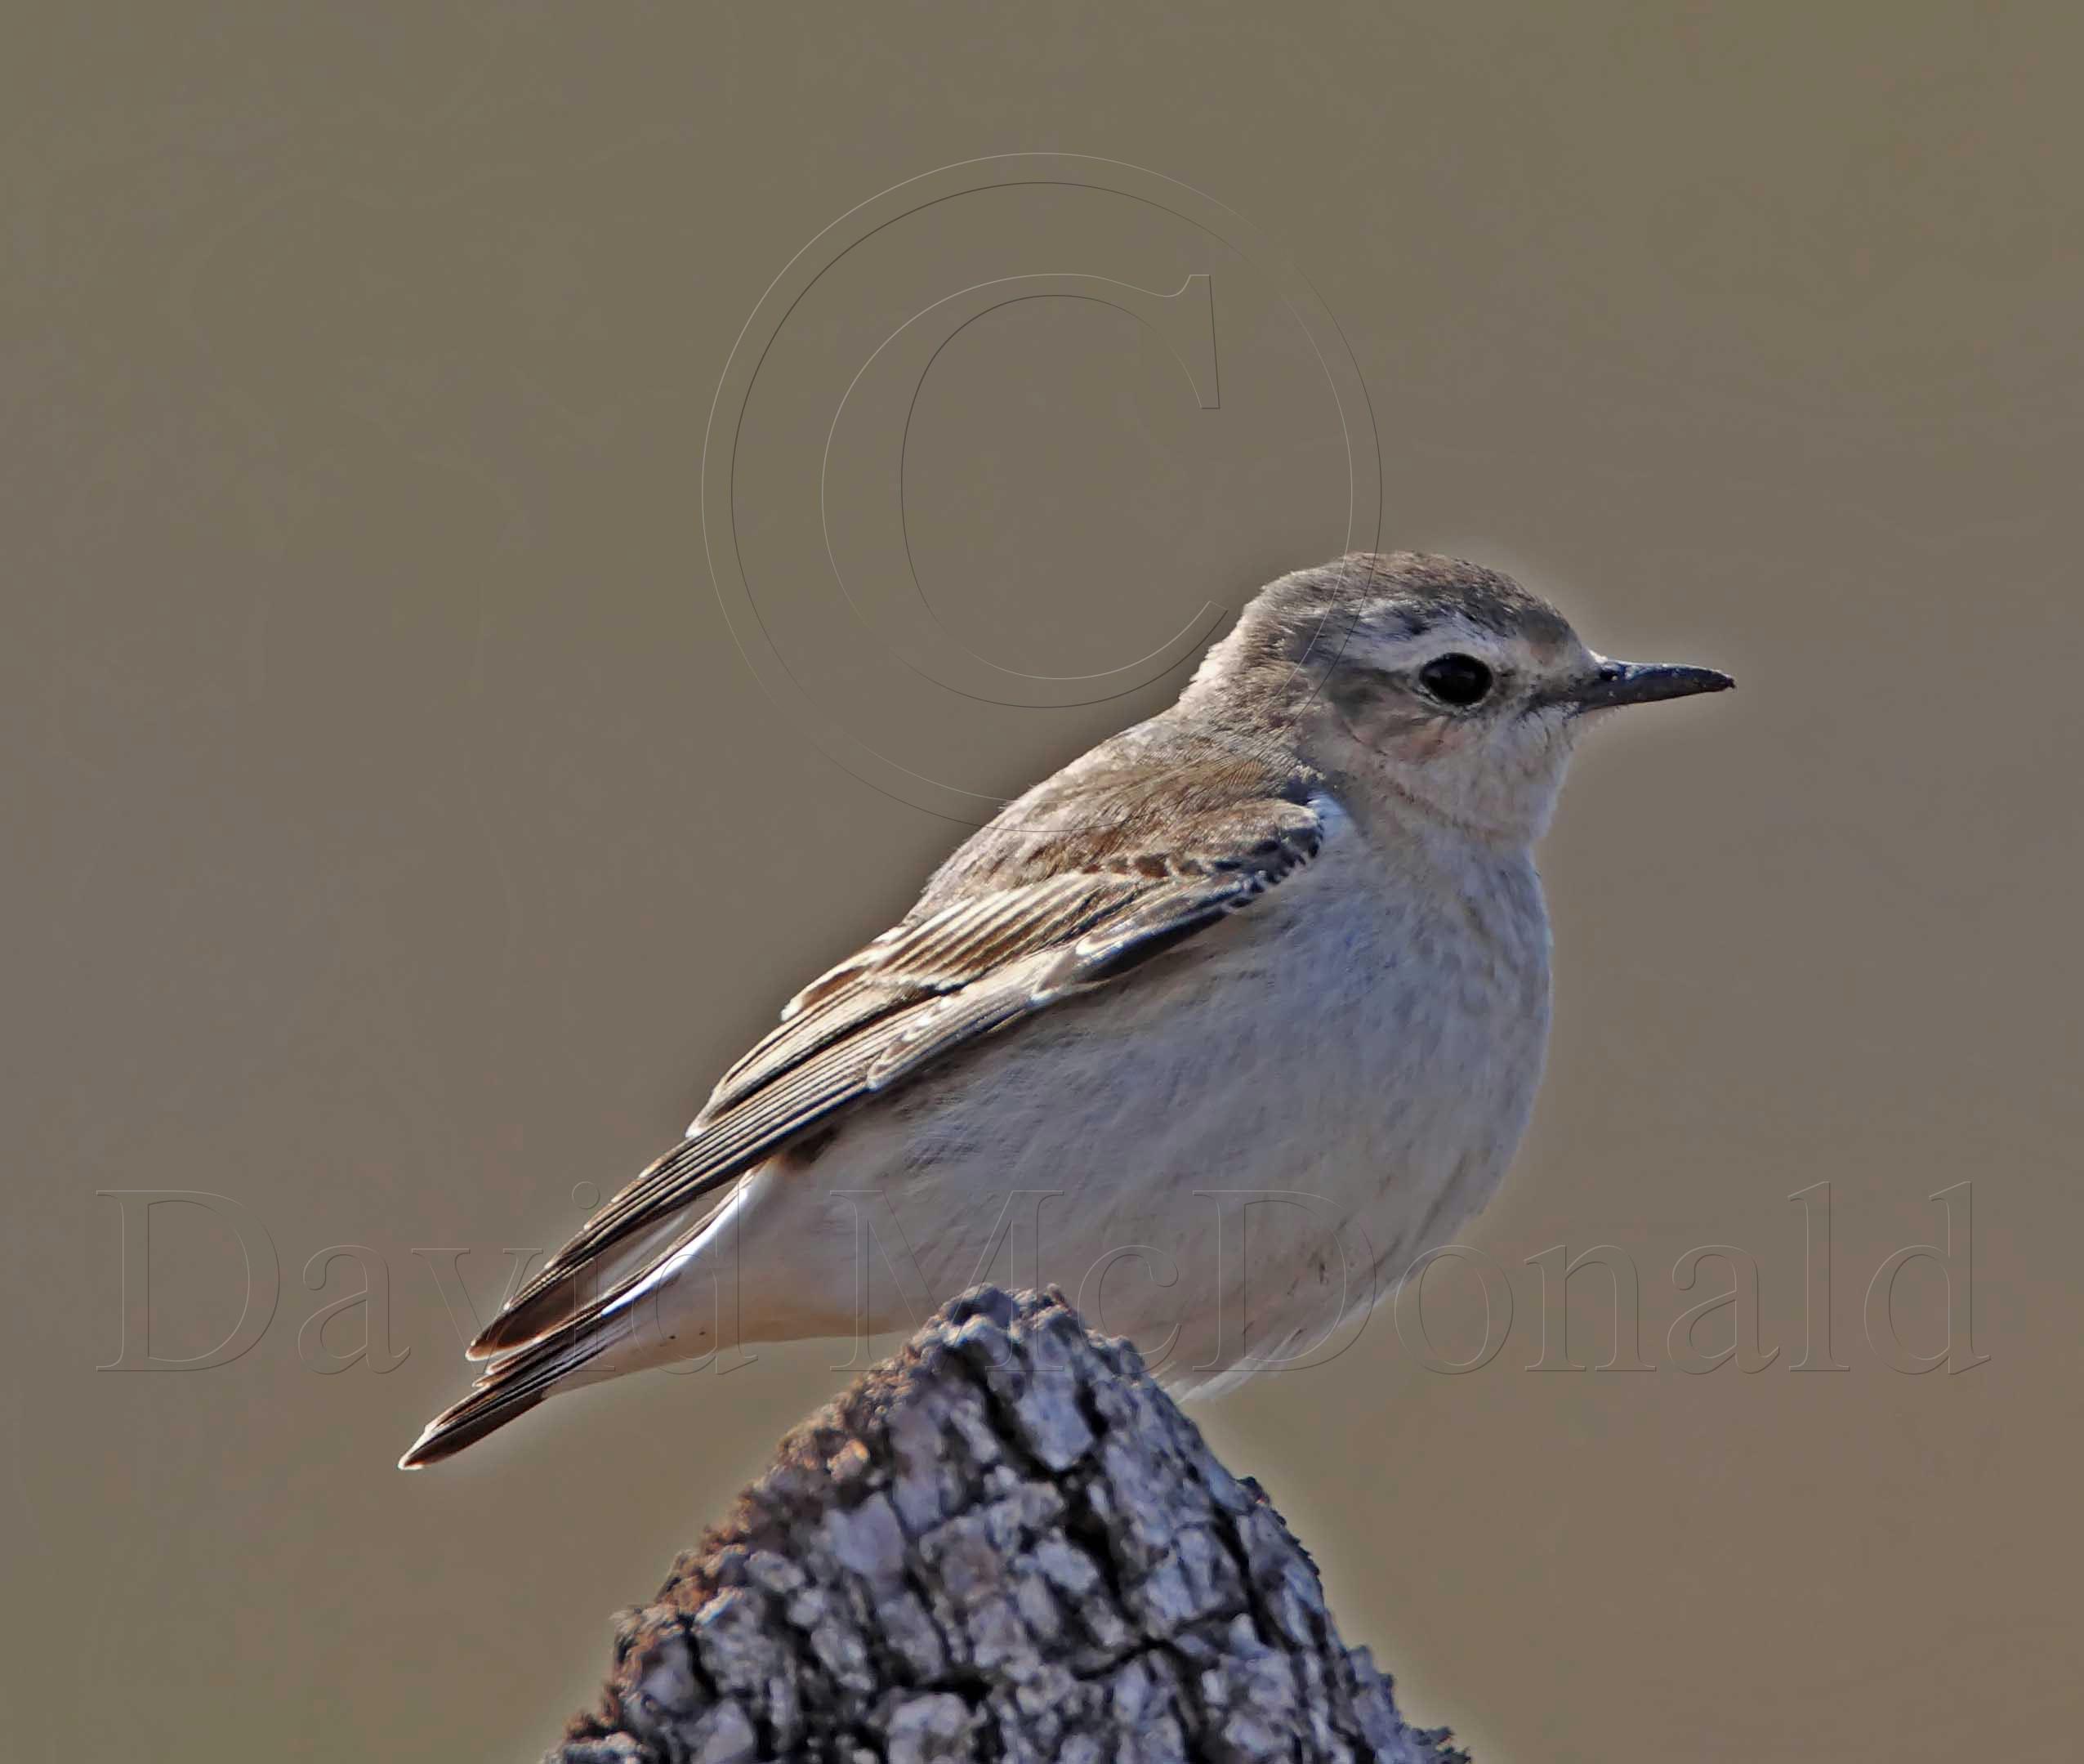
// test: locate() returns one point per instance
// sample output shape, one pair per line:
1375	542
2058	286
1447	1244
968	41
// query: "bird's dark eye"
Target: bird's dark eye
1457	680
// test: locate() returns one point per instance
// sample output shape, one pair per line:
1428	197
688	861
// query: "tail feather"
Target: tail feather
555	1328
559	1295
458	1427
512	1386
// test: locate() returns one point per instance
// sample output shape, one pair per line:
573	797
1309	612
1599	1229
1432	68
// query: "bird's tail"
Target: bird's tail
515	1382
567	1329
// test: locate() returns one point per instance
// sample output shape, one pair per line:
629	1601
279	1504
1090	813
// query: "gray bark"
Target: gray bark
1006	1544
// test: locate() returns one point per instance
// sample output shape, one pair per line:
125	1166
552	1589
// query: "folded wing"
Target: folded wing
1008	945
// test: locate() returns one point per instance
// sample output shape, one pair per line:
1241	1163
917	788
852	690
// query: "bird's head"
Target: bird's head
1429	681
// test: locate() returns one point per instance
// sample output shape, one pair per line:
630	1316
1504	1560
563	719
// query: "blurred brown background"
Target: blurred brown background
397	837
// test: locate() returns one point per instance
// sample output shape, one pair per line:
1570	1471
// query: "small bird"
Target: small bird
1257	987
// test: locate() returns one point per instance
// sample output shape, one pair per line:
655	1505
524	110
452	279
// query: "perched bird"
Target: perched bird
1217	1029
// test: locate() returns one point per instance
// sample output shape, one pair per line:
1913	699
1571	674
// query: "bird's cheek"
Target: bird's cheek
1424	739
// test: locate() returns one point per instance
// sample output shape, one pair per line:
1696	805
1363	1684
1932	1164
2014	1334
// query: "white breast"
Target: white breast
1358	1049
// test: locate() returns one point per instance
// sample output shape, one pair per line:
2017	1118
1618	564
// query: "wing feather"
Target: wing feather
941	979
940	953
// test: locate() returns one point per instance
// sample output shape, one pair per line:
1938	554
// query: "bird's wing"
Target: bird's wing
1009	943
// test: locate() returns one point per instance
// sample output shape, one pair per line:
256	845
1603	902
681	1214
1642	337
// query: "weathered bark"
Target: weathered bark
1005	1543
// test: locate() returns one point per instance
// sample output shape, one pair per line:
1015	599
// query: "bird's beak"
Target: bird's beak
1640	683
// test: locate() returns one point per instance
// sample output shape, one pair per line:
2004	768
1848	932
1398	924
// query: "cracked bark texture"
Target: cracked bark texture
1005	1543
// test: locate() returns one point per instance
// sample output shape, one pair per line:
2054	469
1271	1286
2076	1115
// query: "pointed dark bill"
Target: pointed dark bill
1640	683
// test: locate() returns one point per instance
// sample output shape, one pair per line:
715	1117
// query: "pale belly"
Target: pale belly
1230	1157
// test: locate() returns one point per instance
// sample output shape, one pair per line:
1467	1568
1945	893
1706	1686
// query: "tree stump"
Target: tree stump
1005	1544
